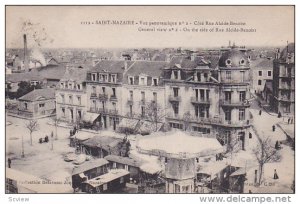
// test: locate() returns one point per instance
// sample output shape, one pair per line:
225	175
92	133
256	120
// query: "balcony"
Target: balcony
198	100
113	112
113	98
93	95
130	101
286	87
174	98
103	97
231	103
99	110
142	102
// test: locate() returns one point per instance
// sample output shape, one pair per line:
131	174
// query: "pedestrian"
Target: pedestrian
279	115
259	112
273	128
9	162
289	121
277	146
292	120
217	158
275	174
71	133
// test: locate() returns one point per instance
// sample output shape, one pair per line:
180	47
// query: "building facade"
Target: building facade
284	81
262	70
71	97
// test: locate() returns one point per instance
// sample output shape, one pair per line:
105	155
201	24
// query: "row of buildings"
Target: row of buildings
186	92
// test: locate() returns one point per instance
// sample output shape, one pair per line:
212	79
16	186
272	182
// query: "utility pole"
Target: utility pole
23	155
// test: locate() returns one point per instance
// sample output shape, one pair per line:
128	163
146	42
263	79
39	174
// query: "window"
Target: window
269	73
143	81
114	91
259	73
63	112
155	96
241	114
287	108
94	77
131	80
259	82
62	98
175	91
228	96
79	114
175	108
94	89
201	94
242	96
131	95
41	105
142	111
103	90
78	86
242	76
228	115
71	99
154	83
113	78
25	106
130	110
143	96
79	100
62	85
228	75
176	125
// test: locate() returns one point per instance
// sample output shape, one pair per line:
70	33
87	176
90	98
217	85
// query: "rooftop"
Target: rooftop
123	160
113	66
89	165
39	94
180	144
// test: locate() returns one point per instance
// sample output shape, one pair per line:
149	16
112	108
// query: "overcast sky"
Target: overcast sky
60	27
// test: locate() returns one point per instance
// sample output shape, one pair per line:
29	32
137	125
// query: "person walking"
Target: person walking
9	162
275	174
259	112
289	121
273	128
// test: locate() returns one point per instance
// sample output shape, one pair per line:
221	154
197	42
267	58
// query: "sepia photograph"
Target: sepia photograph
150	99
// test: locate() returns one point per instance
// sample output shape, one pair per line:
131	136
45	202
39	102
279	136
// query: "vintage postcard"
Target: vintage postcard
150	99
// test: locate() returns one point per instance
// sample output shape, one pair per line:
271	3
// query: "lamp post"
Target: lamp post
23	155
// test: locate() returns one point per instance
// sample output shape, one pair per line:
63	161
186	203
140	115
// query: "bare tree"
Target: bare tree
32	126
265	153
154	113
187	116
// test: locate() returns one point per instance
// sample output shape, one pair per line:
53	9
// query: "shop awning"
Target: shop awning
128	122
90	117
240	171
150	127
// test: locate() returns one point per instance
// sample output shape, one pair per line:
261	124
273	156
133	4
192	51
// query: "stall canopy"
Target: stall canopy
148	127
129	122
212	169
81	136
240	171
150	168
90	117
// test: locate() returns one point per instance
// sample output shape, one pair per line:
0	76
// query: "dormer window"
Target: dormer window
70	85
113	78
131	80
228	62
78	86
242	62
94	76
142	81
154	81
62	85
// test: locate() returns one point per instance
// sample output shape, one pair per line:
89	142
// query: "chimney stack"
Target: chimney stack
26	63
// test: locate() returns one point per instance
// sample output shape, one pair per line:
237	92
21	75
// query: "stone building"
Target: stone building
284	81
37	103
261	71
71	97
104	91
213	102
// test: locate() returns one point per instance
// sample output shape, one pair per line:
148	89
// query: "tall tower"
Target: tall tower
26	60
234	92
